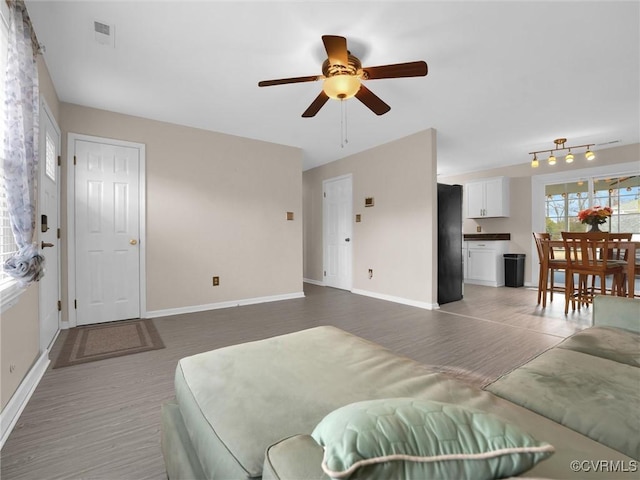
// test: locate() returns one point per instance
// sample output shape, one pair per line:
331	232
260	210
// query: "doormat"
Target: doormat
108	340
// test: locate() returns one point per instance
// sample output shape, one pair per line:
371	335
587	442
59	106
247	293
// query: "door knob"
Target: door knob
133	241
44	244
347	239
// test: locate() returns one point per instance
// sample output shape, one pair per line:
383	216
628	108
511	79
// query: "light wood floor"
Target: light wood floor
101	420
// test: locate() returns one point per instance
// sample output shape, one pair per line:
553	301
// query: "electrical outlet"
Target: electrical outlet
478	229
370	273
216	281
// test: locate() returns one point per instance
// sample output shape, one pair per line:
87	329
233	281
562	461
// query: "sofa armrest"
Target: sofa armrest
621	312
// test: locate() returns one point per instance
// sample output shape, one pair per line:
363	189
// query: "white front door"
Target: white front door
107	232
337	226
47	223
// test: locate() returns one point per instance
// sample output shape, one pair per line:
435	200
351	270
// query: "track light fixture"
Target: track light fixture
559	142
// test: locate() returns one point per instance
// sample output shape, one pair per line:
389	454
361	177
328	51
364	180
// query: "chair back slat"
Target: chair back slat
583	249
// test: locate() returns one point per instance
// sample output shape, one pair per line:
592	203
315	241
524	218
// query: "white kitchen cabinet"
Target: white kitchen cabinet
484	262
488	197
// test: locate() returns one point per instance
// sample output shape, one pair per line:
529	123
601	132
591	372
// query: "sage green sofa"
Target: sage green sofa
590	382
247	411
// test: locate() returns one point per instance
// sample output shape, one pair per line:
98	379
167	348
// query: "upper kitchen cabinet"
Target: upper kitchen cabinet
488	197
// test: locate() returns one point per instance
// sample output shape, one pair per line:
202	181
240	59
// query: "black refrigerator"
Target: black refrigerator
450	267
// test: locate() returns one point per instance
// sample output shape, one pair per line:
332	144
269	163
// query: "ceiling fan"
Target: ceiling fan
343	74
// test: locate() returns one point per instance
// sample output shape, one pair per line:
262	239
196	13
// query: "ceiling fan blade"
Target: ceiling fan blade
398	70
336	48
316	105
371	100
282	81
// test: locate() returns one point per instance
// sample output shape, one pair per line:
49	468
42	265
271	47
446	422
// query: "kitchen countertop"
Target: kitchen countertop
486	236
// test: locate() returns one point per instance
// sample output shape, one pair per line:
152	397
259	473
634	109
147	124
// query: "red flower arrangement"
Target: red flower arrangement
595	215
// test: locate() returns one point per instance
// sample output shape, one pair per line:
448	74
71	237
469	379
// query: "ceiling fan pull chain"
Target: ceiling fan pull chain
343	123
346	137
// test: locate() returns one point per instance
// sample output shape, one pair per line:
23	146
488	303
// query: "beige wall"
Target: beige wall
519	223
20	325
397	237
216	205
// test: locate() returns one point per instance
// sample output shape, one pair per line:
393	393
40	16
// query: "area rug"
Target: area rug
108	340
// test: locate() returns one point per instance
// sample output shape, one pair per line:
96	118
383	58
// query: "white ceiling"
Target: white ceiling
505	78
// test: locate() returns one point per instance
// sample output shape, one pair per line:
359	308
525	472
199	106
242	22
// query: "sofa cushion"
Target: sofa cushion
619	345
411	438
591	395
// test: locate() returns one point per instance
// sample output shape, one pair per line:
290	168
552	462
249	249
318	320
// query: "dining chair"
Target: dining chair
582	252
549	264
616	255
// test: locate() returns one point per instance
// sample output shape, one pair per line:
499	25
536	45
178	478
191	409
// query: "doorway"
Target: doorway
48	221
106	225
337	207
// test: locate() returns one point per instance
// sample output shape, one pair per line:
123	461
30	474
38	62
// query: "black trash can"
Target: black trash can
514	269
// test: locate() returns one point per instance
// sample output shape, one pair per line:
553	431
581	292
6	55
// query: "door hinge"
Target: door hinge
325	194
59	306
58	233
59	160
325	273
75	304
74	159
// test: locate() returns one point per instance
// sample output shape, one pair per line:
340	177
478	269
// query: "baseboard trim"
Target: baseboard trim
313	282
13	409
391	298
216	306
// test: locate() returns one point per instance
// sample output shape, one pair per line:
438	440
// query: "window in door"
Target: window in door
622	195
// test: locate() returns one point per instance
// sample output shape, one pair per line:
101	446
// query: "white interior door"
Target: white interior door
337	225
48	220
107	232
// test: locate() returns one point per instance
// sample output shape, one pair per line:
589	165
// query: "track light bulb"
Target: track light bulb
552	160
535	163
589	155
569	157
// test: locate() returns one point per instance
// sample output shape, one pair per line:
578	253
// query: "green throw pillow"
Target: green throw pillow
411	438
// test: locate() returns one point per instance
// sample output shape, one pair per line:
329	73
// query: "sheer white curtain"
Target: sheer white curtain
20	159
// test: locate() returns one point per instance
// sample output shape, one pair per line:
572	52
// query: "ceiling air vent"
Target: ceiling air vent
608	143
104	33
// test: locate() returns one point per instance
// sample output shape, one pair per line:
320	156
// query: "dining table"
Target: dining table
630	245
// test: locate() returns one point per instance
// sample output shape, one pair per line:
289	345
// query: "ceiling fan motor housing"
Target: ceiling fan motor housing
354	68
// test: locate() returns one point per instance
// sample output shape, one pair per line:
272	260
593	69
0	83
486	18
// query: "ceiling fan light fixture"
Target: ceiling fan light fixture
341	87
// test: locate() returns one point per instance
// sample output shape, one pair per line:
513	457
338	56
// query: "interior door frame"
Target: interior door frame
348	176
71	218
45	110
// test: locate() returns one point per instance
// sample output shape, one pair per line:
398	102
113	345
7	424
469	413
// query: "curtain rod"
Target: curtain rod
35	44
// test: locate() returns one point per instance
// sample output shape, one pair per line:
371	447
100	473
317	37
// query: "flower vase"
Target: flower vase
595	227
